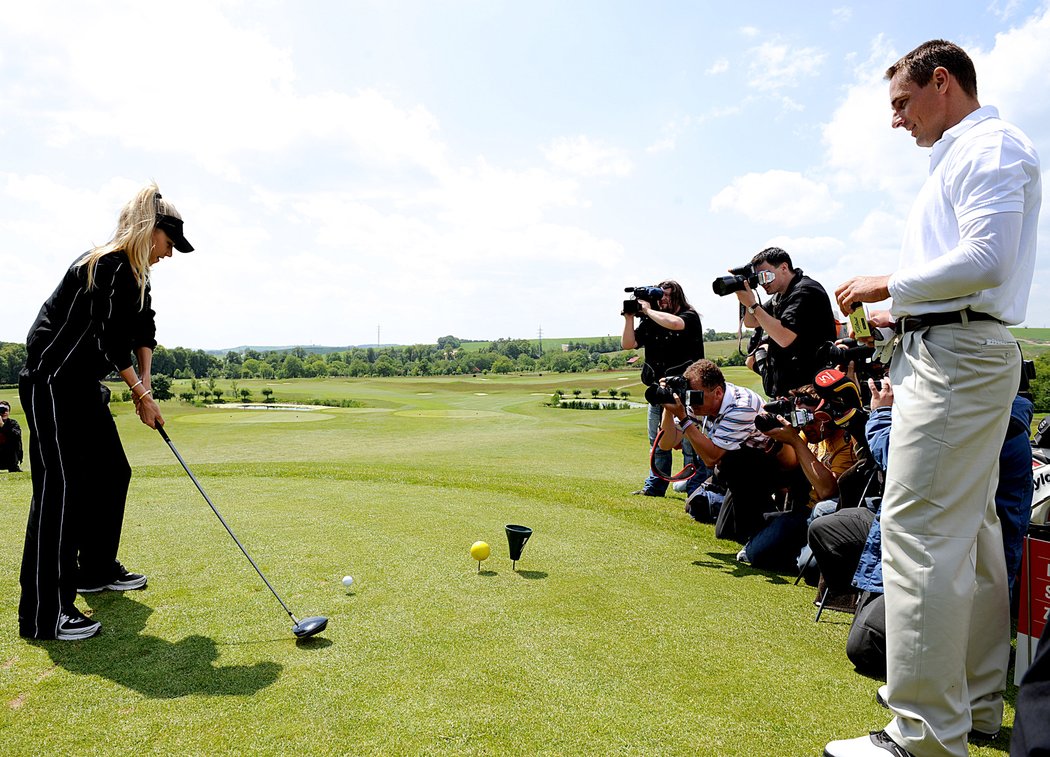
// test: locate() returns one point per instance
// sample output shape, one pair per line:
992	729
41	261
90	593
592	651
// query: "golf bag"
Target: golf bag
1041	472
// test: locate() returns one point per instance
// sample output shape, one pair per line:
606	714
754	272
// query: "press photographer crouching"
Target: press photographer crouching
718	419
796	321
671	332
814	428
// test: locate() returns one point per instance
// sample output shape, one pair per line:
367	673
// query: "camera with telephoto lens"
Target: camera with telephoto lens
664	394
848	350
652	295
724	285
795	415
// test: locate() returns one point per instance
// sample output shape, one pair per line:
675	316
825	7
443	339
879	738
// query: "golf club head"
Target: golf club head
309	626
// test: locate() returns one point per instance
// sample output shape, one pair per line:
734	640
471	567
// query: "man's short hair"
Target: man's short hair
918	65
774	256
706	374
5	405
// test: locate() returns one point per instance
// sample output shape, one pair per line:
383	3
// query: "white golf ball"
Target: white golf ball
347	581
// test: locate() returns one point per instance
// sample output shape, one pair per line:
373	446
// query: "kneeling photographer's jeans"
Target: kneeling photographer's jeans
662	459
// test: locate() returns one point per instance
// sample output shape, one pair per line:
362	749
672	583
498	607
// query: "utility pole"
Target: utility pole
377	335
541	339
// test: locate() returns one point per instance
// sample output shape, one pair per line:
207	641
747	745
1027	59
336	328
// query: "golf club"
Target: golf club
302	628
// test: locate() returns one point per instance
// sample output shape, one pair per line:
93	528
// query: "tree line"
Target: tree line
447	357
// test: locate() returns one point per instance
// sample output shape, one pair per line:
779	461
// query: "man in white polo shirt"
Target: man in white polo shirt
965	270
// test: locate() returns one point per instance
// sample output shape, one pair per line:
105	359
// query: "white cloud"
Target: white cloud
775	65
1004	9
589	158
1013	70
861	150
783	198
720	66
841	16
235	94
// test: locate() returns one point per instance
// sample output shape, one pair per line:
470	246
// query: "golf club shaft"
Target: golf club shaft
222	520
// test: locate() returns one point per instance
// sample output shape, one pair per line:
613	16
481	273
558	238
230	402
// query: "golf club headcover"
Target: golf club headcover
841	396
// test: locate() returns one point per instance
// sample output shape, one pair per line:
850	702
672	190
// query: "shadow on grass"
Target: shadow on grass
727	563
532	575
313	642
154	667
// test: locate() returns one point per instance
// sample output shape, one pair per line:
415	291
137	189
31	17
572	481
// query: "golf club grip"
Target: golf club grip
222	520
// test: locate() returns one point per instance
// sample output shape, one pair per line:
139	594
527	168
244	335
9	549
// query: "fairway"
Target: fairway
627	628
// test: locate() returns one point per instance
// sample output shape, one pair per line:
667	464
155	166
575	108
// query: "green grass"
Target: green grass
1031	334
627	629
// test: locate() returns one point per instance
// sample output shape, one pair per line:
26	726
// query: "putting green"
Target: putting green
260	416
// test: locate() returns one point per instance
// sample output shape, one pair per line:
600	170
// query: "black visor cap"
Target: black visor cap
173	228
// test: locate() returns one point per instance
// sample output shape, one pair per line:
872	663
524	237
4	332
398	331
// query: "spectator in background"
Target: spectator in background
10	440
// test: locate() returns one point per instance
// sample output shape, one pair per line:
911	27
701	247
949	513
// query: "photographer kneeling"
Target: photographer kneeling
718	419
824	452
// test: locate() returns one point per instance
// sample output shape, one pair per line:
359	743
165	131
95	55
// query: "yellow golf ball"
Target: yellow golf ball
479	550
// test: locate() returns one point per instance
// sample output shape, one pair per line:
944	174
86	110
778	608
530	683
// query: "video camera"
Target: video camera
724	285
652	295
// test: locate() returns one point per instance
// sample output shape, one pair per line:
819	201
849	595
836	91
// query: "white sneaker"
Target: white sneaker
741	556
679	486
876	744
77	626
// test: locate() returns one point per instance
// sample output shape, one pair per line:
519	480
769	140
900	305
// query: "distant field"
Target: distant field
1032	335
712	349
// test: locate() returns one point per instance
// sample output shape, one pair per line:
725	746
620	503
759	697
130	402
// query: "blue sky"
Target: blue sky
482	169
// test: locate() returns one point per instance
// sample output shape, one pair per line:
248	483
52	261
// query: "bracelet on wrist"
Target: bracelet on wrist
137	383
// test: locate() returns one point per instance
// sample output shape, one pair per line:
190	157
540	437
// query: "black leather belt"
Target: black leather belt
913	322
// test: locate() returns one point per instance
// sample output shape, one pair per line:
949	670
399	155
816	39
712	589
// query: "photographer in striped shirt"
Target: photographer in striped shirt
718	419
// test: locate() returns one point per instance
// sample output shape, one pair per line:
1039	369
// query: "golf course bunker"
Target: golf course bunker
460	414
255	413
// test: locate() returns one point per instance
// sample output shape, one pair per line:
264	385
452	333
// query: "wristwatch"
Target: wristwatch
752	308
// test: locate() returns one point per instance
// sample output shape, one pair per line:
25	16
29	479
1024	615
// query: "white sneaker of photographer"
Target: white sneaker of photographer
679	486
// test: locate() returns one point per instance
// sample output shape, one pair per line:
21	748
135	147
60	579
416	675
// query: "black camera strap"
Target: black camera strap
683	475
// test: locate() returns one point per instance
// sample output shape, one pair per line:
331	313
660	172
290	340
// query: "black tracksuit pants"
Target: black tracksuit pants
80	485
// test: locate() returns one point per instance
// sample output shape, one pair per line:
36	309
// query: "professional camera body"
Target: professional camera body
652	295
673	386
846	351
793	411
724	285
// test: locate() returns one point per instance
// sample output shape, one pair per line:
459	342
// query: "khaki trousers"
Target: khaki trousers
947	601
